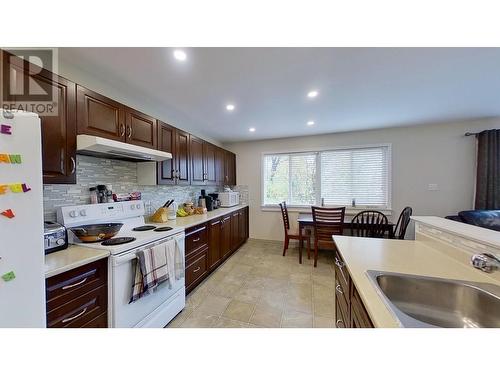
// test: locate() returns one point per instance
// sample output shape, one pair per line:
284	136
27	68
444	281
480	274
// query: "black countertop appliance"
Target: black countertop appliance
209	201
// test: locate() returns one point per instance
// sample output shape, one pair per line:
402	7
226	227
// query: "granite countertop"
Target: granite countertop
72	257
192	220
411	257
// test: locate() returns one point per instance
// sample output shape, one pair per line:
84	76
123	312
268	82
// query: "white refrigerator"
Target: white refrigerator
22	259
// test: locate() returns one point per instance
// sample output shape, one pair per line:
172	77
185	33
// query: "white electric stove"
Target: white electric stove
154	310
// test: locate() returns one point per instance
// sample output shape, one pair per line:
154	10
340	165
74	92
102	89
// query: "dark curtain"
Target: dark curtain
488	170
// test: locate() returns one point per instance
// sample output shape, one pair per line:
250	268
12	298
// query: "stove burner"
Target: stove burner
143	228
117	241
162	229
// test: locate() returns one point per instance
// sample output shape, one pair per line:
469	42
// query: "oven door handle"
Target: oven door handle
128	257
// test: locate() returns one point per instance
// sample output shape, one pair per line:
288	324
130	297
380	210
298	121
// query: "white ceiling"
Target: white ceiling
359	88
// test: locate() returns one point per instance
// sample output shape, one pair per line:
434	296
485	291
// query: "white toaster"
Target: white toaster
229	198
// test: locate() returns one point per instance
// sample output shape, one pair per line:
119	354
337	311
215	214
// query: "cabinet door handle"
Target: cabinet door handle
122	130
130	132
73	165
73	285
196	239
339	322
338	288
196	270
76	316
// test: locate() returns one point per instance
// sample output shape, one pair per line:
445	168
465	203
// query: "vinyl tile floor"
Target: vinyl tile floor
257	287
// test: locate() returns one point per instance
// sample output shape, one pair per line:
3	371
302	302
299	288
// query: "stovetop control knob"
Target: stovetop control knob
83	213
73	213
132	207
60	241
138	206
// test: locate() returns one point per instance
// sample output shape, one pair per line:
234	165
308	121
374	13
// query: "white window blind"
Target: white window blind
355	174
337	176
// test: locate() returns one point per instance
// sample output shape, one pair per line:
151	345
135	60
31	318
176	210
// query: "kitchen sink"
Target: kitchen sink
420	301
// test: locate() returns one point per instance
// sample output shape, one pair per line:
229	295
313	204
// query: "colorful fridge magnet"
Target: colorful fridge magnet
6	129
11	159
8	213
15	188
9	276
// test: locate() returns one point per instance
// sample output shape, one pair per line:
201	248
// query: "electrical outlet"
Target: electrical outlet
432	187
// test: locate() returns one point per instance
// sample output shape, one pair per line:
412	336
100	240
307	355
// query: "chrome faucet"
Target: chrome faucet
485	262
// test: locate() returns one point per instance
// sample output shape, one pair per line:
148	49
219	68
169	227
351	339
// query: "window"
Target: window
340	177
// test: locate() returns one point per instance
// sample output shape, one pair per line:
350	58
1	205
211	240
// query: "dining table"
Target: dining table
305	219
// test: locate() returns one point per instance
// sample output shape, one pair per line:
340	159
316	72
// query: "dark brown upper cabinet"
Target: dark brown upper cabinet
103	117
209	163
98	115
219	165
182	155
58	128
166	142
141	129
175	141
197	161
229	168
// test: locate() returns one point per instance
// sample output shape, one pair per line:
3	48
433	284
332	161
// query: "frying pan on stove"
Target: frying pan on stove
96	232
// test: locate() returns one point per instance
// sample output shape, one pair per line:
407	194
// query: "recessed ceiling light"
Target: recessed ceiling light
251	130
180	55
312	94
230	107
310	123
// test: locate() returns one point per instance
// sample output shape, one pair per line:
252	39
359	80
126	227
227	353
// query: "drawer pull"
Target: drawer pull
339	322
76	316
339	263
196	239
338	288
73	285
196	270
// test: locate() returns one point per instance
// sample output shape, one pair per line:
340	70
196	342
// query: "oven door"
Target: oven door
153	310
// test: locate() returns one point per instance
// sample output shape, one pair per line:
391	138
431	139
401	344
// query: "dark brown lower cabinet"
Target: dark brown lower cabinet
349	309
209	244
78	298
235	230
214	243
226	236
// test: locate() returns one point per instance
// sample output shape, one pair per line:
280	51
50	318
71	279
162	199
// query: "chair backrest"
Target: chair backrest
402	224
369	224
327	222
284	214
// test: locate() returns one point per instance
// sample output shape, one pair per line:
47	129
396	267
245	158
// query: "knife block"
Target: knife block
160	216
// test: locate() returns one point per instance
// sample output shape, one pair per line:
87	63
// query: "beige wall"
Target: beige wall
421	155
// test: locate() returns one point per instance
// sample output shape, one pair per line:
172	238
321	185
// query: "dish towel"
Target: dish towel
155	266
175	261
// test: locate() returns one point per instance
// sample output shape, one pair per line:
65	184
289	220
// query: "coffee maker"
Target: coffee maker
209	202
215	199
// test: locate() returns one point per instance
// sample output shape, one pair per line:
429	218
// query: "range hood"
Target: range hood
107	148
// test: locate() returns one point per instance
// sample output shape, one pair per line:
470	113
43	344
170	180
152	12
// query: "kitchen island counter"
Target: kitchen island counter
423	258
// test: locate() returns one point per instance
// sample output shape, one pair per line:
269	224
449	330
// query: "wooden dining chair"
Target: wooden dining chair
327	222
292	235
369	224
402	224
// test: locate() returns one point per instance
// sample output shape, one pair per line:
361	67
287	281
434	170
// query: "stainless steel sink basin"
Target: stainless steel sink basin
419	301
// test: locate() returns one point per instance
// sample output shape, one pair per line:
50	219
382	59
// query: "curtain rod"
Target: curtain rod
468	134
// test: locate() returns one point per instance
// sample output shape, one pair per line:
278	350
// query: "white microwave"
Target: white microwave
229	198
